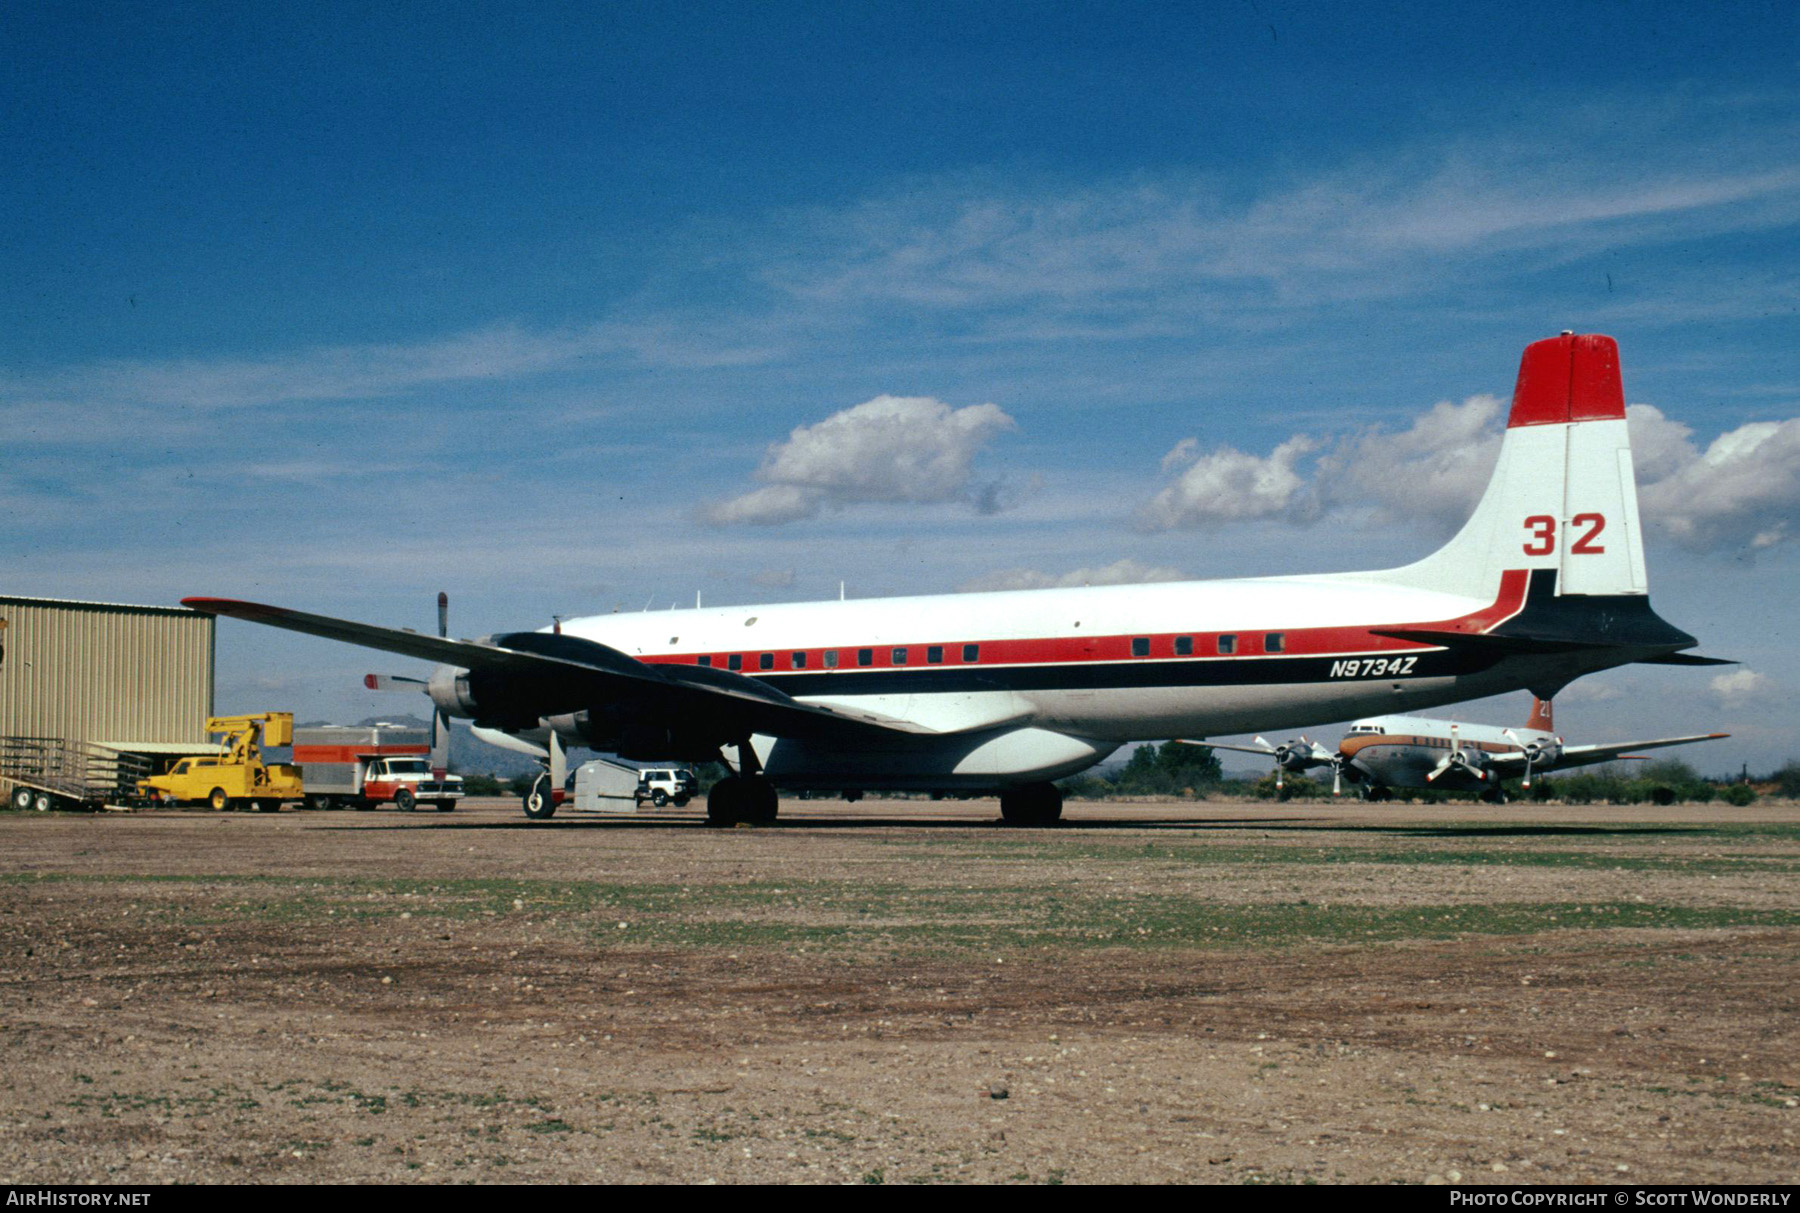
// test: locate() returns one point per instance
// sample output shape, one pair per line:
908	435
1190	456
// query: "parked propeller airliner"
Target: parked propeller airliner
1387	752
1008	691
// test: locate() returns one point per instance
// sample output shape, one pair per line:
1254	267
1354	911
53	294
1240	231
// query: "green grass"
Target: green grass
852	916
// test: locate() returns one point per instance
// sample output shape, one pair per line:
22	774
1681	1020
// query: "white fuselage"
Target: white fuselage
1038	684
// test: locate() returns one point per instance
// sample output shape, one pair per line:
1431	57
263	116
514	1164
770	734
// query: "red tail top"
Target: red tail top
1541	718
1568	378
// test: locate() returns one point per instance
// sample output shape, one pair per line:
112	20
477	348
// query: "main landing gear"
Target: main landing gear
750	799
747	797
1032	804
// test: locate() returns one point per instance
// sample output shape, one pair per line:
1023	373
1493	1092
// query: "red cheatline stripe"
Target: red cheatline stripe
1068	650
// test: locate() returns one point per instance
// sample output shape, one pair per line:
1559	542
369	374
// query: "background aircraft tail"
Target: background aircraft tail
1542	717
1563	496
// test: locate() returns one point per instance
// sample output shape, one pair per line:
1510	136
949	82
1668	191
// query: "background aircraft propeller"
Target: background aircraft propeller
440	719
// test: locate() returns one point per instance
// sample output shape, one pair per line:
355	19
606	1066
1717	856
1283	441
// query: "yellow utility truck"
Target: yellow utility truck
236	777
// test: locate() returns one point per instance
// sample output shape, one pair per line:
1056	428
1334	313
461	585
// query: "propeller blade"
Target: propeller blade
1337	779
440	744
391	682
440	719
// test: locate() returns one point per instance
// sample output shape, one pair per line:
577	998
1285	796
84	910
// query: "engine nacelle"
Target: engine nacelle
449	690
1294	755
1473	762
1541	752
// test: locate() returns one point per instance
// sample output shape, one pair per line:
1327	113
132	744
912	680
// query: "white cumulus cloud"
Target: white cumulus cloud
1743	491
1228	485
1120	572
1740	687
1436	468
913	449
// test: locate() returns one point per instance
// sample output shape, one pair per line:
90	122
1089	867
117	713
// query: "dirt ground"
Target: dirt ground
904	992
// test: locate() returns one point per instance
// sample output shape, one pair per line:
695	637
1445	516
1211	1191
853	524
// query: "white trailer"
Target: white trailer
606	787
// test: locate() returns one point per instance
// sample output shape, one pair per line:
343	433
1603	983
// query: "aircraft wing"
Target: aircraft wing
571	674
1588	755
1317	758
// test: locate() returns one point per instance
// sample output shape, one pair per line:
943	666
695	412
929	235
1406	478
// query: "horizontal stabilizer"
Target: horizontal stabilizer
1486	641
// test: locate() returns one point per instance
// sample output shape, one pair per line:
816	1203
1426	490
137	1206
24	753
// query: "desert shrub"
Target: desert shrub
1293	787
1787	780
1170	769
1739	794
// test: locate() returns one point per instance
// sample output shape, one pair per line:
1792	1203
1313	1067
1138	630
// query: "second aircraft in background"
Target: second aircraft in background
1385	752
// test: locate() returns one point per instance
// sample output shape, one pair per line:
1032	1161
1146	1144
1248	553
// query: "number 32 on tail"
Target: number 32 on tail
1543	532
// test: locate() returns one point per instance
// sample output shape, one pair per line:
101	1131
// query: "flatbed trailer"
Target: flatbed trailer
44	773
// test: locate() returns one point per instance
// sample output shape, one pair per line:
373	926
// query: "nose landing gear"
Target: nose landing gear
747	797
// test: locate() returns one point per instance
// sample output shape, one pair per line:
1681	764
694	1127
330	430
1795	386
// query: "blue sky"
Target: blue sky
583	307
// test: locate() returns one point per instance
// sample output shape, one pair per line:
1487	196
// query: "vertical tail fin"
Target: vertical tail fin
1542	716
1563	496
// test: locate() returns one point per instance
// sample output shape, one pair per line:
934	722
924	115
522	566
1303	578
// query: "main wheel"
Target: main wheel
659	798
43	802
764	801
266	806
218	800
445	806
405	801
21	799
539	803
318	801
725	802
1034	804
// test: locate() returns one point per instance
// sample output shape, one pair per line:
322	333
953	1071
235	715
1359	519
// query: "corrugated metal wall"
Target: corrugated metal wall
95	671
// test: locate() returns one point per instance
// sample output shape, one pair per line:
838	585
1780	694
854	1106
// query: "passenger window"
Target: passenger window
1227	645
1184	646
831	659
899	656
706	659
865	657
765	661
1140	646
735	661
934	655
971	653
1275	642
799	661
